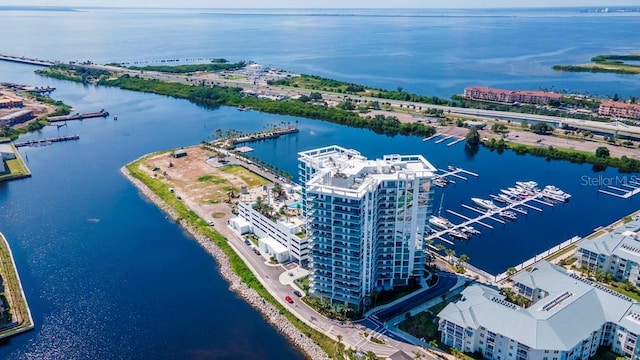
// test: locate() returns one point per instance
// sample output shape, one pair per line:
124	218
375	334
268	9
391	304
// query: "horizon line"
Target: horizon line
318	8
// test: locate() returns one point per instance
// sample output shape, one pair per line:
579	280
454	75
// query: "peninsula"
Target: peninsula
392	112
612	63
15	315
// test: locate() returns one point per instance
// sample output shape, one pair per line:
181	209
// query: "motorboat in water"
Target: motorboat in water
555	192
440	222
459	235
531	185
484	203
469	230
509	215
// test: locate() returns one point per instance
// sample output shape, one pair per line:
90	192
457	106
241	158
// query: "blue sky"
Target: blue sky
323	3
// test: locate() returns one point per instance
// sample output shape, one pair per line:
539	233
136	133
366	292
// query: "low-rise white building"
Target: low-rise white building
288	232
616	252
568	319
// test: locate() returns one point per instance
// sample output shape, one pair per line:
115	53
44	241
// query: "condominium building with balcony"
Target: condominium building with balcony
619	109
568	318
616	252
511	96
366	221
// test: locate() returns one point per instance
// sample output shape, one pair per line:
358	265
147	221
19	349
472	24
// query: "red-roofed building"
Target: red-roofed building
510	96
619	109
535	97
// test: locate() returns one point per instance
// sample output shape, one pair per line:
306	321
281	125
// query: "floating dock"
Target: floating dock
101	113
46	141
624	190
513	204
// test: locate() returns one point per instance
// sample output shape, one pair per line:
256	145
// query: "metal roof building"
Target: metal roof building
569	318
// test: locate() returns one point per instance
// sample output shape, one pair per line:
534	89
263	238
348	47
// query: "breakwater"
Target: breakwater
78	116
270	313
46	141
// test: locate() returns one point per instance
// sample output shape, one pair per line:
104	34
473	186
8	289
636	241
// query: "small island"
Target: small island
612	63
15	316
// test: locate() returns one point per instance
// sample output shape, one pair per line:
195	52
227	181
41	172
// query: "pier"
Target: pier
443	180
494	213
264	135
624	190
78	116
46	141
24	60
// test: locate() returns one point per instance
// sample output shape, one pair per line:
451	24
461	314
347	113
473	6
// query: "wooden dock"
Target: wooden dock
78	116
46	141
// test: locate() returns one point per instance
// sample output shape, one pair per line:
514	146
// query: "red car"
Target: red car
288	299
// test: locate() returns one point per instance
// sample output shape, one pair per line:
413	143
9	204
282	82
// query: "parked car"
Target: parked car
247	242
297	293
288	299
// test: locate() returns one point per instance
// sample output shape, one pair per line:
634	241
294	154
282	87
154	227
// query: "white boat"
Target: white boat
498	199
469	230
506	198
508	192
440	182
459	234
554	192
509	215
527	184
484	203
440	222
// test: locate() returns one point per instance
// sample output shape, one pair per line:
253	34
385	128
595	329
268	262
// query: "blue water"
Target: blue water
108	276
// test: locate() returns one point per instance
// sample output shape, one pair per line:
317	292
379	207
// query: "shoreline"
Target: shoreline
27	324
249	295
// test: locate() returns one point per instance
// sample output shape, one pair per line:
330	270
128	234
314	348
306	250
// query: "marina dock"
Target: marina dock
491	212
624	190
443	180
78	116
46	141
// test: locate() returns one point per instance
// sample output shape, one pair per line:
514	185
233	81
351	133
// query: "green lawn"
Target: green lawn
423	324
17	168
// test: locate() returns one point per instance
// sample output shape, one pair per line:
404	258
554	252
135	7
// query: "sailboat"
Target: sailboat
439	221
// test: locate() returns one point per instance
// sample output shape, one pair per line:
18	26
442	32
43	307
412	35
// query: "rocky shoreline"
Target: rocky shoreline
269	312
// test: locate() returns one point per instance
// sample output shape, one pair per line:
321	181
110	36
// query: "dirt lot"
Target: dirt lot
203	182
38	109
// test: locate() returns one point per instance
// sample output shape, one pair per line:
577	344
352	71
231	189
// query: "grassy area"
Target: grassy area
212	179
560	253
620	288
237	265
613	63
423	324
604	353
12	290
17	168
249	177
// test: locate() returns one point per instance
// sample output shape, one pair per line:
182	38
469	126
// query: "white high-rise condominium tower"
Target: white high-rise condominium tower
366	221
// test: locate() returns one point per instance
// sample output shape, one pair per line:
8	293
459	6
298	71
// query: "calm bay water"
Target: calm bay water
108	276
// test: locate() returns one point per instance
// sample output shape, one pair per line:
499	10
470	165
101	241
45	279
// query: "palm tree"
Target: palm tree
370	355
417	355
339	347
463	259
450	254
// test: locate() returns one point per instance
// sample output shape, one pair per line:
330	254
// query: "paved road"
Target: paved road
246	84
445	282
